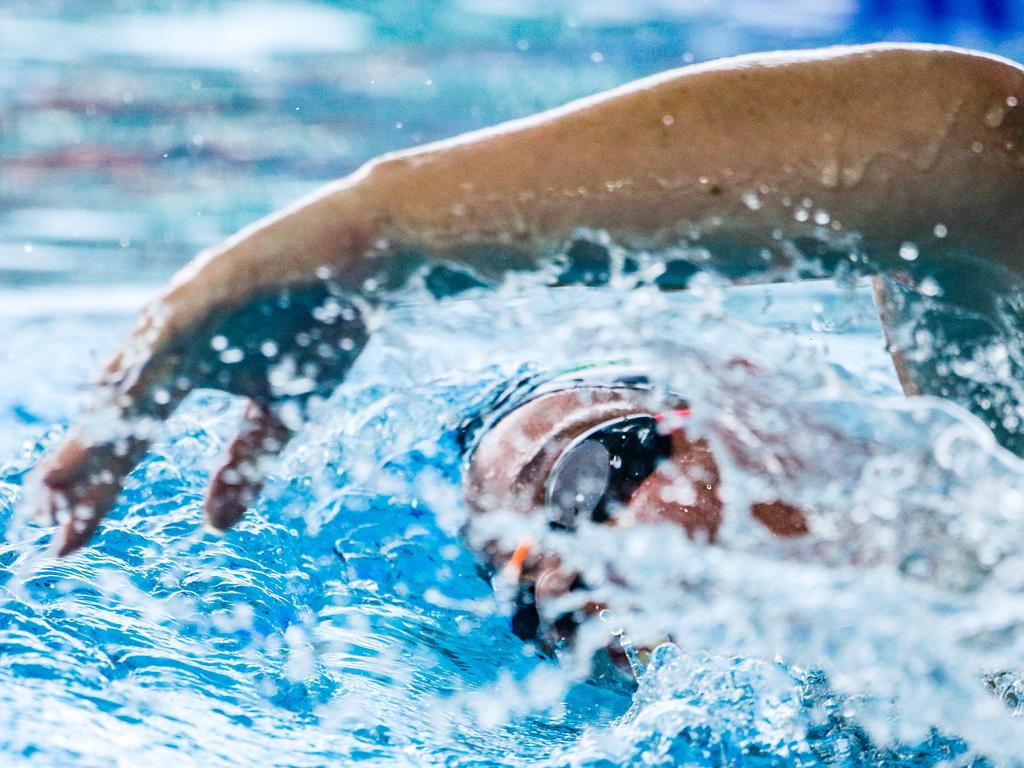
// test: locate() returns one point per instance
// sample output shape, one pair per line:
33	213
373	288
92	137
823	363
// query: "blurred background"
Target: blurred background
133	134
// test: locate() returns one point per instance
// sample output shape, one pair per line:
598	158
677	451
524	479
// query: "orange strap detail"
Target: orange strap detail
514	566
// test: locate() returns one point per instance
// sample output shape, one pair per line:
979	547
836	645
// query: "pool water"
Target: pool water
346	620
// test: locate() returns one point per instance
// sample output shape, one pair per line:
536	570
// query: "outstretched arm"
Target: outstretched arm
869	146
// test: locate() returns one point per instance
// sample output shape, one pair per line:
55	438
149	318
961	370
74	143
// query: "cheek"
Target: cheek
679	496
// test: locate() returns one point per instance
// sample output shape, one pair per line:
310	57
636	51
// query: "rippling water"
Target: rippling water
346	620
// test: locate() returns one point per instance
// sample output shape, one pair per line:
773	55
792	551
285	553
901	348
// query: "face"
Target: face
602	455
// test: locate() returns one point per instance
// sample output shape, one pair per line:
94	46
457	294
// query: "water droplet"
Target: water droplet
941	230
908	251
752	201
667	119
219	343
821	217
1011	101
994	116
801	214
232	356
597	57
830	173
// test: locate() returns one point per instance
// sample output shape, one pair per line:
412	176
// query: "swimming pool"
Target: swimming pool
345	621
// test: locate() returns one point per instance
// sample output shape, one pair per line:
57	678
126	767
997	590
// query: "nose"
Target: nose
682	490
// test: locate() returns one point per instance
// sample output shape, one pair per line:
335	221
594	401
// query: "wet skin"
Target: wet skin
887	142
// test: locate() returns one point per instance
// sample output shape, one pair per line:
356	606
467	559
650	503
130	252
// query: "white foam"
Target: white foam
230	37
47	303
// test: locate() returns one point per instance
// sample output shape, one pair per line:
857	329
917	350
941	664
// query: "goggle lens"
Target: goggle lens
602	468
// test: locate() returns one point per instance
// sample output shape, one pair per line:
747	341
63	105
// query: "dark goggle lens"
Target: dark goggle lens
602	468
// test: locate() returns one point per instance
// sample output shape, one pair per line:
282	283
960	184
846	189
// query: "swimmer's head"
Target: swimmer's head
596	446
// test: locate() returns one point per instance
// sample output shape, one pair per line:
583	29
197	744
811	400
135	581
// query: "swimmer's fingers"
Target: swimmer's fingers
80	483
238	481
283	347
278	351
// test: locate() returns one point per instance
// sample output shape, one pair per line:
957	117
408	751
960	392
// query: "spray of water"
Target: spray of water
348	619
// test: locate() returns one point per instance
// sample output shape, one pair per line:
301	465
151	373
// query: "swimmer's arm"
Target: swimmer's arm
888	142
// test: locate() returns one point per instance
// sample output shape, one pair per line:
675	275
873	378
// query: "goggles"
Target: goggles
602	468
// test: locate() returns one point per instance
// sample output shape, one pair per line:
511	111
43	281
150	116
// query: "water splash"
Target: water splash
347	620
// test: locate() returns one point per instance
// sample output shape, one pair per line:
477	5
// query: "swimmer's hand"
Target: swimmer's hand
278	351
233	321
872	145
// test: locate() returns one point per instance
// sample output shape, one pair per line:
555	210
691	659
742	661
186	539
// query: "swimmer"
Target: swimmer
911	158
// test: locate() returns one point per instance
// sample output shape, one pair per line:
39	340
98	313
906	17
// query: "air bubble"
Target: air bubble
908	251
